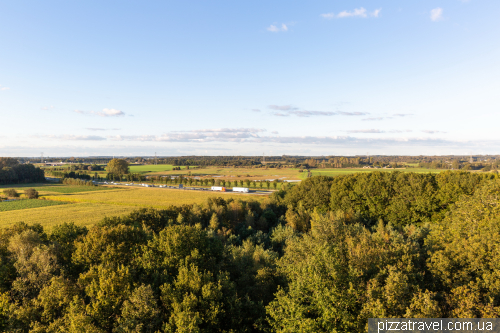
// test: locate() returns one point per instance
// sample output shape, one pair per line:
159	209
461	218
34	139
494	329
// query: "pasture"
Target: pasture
54	188
78	213
27	203
231	173
344	171
151	168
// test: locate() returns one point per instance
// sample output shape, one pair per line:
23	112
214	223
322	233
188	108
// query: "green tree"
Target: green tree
31	193
118	167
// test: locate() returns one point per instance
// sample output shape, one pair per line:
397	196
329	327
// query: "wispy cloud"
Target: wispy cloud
374	119
69	137
377	131
305	113
357	12
4	88
437	14
352	113
388	117
288	110
282	107
432	131
47	107
277	28
366	131
226	130
103	113
256	110
102	129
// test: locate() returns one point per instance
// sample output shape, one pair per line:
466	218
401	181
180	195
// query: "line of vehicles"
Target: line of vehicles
181	187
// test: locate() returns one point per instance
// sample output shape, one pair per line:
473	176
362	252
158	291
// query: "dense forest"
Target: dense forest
322	256
11	172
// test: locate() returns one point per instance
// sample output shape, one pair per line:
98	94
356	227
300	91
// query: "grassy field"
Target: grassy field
237	173
151	168
273	173
345	171
27	203
86	208
79	213
146	197
55	188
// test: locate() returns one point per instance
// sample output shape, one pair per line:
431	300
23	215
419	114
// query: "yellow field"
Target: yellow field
231	173
146	197
88	208
79	213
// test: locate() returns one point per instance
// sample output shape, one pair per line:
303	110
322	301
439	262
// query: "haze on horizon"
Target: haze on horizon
133	78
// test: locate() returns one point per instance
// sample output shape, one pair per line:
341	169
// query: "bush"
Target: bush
31	193
11	193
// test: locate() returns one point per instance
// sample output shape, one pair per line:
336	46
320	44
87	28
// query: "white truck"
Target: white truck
218	188
240	189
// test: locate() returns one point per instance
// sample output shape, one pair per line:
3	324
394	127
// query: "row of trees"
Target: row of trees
191	181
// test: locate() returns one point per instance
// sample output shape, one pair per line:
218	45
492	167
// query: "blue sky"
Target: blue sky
80	78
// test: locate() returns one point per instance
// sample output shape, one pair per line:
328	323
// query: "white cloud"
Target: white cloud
305	113
366	131
282	107
374	119
103	113
288	110
47	107
276	28
357	12
437	14
110	113
69	137
102	129
256	110
432	131
376	12
4	88
328	15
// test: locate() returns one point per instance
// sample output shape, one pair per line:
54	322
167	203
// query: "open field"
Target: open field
230	173
338	172
147	197
27	203
146	169
55	188
79	213
86	208
237	173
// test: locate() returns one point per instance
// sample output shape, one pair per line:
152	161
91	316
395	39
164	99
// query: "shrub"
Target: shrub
11	193
31	193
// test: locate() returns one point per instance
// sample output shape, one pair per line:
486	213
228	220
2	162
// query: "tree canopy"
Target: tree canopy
118	167
309	259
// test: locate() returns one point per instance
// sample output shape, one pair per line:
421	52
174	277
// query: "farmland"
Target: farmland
55	188
25	204
231	173
339	172
151	168
89	207
78	213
